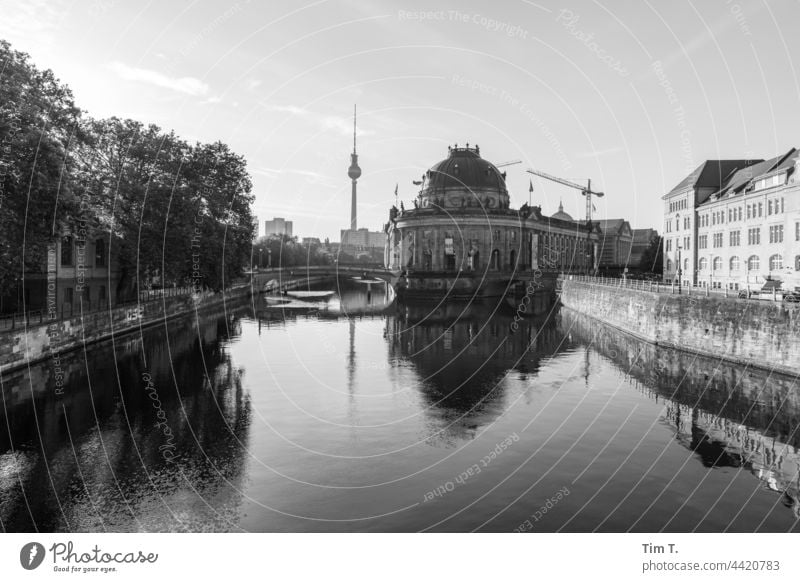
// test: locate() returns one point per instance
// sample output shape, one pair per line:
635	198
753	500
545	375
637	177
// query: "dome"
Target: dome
561	215
464	179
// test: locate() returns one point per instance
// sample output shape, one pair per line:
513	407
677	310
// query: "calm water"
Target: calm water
355	415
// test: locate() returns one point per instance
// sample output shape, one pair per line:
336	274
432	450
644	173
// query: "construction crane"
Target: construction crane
587	191
508	164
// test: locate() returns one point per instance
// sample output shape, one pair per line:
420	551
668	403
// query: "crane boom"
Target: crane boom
503	164
586	191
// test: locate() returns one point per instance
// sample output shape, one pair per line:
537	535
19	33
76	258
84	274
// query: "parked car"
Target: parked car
792	297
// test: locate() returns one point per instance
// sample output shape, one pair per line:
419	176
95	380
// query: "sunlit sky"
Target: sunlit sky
574	89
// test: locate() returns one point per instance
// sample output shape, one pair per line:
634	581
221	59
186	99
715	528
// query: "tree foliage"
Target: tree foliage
170	210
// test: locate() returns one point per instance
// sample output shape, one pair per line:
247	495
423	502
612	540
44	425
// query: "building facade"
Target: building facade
735	224
462	232
278	226
616	241
78	273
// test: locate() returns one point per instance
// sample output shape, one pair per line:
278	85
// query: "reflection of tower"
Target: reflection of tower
355	173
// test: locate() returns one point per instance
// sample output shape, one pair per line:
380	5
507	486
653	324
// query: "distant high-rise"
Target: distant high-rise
355	173
278	226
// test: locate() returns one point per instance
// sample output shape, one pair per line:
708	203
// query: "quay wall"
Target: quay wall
33	343
764	334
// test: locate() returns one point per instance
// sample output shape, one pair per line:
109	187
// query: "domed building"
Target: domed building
462	238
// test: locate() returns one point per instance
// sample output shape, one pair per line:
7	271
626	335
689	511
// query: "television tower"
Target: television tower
355	173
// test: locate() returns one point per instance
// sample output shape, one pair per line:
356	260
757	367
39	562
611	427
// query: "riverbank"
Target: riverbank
48	340
762	334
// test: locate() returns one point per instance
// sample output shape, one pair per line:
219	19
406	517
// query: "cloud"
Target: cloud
342	125
599	153
188	85
310	176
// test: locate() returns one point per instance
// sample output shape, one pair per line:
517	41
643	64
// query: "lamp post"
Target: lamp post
678	272
269	258
260	262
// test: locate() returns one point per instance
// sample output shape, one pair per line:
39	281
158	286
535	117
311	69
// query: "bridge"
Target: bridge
287	278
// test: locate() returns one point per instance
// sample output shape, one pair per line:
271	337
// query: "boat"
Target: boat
276	300
311	295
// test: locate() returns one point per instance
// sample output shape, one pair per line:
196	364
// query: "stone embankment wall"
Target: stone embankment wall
37	342
764	334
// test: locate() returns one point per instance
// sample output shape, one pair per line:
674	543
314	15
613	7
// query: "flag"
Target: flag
395	190
530	187
593	208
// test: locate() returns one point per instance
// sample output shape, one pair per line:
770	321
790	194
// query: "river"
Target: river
355	414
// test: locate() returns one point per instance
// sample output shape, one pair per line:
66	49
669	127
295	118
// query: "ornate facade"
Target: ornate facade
462	234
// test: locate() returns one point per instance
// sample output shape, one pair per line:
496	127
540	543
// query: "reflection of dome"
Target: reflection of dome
561	215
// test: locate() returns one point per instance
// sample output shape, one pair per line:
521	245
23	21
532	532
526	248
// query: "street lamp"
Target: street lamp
260	262
269	258
678	272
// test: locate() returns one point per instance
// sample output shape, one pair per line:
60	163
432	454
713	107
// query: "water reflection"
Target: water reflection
463	352
93	459
342	413
727	415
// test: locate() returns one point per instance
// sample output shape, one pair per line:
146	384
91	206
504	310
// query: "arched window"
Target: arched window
734	266
753	263
703	264
776	263
685	264
669	264
495	261
717	265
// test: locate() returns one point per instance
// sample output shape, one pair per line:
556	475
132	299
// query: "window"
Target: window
686	264
703	264
687	243
669	264
87	294
66	251
797	231
753	263
754	236
702	241
734	264
776	233
748	212
513	235
496	235
686	222
101	294
760	209
669	244
735	238
717	265
99	253
717	240
68	295
775	263
769	207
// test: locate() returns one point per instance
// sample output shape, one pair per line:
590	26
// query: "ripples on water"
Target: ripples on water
354	414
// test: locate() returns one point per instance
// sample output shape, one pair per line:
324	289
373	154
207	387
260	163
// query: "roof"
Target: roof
711	174
464	168
561	215
612	224
740	179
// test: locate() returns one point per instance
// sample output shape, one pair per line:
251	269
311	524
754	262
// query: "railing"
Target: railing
69	310
672	288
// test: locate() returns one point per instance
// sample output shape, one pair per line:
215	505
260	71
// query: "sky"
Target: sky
633	95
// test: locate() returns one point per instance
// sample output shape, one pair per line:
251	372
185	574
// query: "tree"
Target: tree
39	130
653	257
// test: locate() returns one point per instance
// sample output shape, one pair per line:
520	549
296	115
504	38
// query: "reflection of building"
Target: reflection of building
462	356
463	235
616	241
734	222
728	415
278	226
